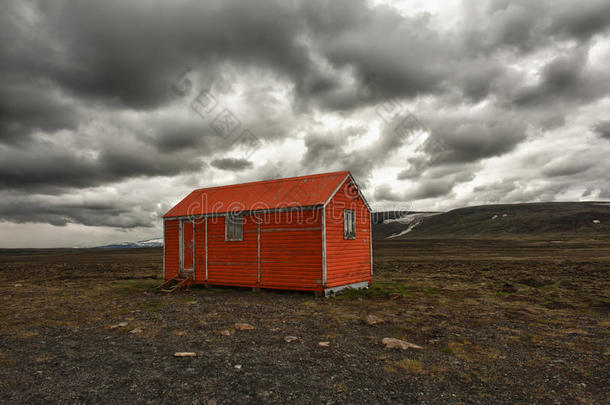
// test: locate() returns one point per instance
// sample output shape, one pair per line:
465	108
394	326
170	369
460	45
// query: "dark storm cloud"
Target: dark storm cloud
330	150
231	164
56	211
524	25
386	193
86	96
71	44
125	53
471	141
602	128
566	77
518	191
432	182
566	167
420	191
28	107
581	22
403	54
50	167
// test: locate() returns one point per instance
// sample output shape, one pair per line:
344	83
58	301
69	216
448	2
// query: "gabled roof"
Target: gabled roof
303	191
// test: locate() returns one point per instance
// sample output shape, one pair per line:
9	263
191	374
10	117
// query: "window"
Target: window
349	224
234	228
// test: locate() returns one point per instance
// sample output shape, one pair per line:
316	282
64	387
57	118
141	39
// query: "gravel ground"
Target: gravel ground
509	322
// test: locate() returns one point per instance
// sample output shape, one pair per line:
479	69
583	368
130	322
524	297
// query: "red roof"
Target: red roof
303	191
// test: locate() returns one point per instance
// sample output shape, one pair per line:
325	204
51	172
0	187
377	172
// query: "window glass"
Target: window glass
349	224
234	227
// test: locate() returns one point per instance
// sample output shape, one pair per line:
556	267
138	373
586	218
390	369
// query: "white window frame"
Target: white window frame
349	224
234	221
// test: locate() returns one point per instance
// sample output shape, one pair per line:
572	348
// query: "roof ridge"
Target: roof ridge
309	176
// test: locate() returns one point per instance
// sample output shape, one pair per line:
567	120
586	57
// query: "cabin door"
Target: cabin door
187	247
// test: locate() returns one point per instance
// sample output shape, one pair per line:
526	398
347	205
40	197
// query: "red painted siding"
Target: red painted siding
232	262
189	247
347	260
172	257
291	250
200	250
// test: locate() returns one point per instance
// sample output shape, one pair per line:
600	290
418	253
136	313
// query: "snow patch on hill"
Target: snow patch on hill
412	220
158	242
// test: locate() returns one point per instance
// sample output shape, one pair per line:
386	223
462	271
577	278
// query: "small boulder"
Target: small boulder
136	330
392	343
289	339
185	354
119	325
324	344
243	326
372	320
226	332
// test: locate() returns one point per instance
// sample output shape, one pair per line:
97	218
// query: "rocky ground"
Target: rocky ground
498	322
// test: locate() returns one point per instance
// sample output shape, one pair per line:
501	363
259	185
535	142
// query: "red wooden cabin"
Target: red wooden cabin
300	233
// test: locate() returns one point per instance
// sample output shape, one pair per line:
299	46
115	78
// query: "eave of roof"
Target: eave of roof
301	191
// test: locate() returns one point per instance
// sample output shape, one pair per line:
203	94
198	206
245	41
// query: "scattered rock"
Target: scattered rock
392	343
243	326
509	288
372	320
324	344
185	354
226	332
180	333
237	366
191	303
289	339
119	325
18	285
136	330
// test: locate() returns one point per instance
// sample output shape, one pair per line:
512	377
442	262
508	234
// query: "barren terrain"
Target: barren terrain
499	322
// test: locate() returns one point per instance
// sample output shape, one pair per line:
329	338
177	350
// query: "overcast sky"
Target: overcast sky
113	111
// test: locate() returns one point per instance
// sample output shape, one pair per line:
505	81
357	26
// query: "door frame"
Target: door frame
181	244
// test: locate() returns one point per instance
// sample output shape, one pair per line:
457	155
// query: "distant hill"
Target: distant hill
130	245
555	220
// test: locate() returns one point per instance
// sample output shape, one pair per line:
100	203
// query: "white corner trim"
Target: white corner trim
206	249
360	193
371	240
324	246
258	226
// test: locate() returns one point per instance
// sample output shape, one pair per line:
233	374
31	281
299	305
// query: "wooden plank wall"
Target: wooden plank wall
172	253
